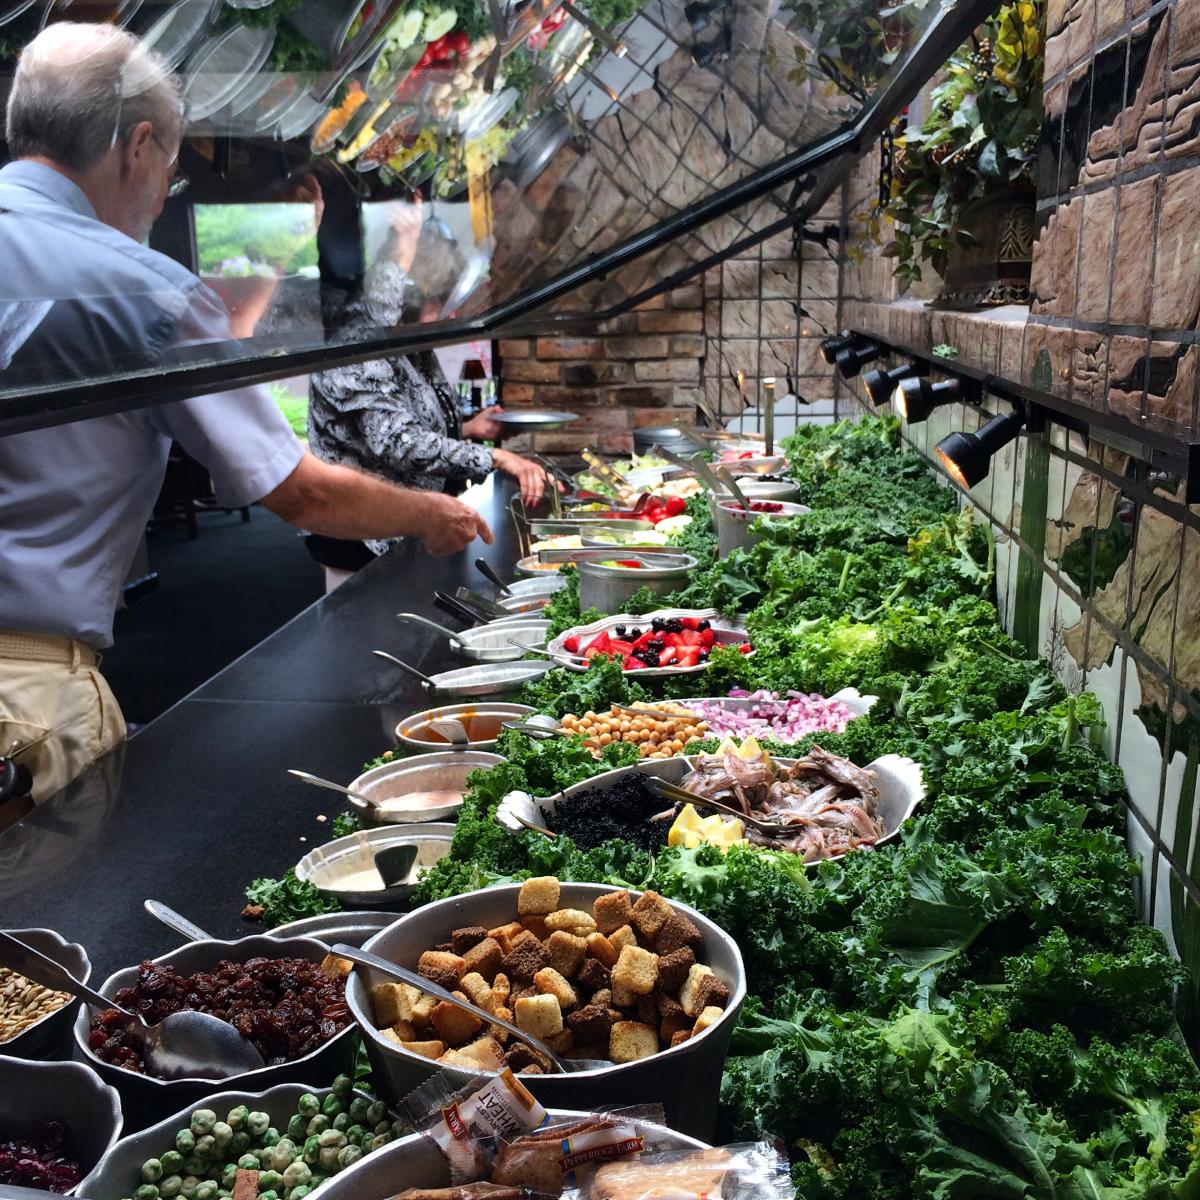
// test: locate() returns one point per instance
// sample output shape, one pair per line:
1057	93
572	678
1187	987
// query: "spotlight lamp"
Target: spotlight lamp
852	359
917	398
880	384
831	345
967	457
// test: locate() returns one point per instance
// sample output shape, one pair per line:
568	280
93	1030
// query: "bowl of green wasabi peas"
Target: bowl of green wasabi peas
293	1137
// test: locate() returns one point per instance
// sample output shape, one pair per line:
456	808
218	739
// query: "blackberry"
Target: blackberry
657	624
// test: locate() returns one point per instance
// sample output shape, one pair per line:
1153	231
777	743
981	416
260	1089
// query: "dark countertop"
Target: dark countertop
198	803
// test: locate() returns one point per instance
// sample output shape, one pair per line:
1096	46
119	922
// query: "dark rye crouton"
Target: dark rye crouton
461	940
677	932
594	976
713	993
525	960
591	1023
673	969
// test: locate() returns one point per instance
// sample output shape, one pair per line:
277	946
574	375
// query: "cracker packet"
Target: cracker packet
562	1157
467	1122
752	1171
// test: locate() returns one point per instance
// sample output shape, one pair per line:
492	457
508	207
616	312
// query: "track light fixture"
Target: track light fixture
967	457
880	383
831	345
917	398
852	359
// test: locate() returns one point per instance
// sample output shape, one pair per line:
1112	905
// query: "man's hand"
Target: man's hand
451	525
530	477
483	427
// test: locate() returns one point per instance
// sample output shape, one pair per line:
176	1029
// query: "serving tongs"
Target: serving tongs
463	612
489	608
365	958
681	795
725	475
520	520
697	466
597	521
605	553
605	471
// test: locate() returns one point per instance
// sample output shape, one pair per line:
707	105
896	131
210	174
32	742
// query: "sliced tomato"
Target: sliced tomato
426	60
676	505
460	41
745	648
628	562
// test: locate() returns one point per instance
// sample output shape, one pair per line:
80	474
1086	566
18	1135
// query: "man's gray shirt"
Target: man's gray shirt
79	299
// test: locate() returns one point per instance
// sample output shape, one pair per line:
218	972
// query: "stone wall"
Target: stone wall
1116	290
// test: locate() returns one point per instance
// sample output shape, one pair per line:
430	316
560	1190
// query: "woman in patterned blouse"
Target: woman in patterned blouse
398	416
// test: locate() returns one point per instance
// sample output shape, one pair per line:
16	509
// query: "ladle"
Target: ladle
451	728
399	662
184	1045
317	781
486	569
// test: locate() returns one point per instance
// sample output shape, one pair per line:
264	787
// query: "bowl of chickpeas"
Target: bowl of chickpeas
658	730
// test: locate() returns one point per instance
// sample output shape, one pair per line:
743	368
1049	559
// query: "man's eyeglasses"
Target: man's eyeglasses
179	181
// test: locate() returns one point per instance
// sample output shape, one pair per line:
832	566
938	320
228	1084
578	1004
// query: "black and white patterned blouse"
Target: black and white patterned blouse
396	417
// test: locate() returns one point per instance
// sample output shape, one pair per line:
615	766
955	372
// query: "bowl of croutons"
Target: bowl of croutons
645	989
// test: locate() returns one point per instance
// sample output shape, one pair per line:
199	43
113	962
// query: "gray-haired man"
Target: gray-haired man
94	124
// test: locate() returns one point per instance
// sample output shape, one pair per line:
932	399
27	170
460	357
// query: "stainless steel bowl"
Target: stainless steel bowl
685	1079
52	1032
537	586
144	1096
118	1173
408	730
900	780
32	1093
757	489
494	643
415	1161
422	773
326	865
609	588
486	679
733	523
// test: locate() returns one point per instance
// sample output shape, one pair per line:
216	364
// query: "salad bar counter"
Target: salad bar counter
800	879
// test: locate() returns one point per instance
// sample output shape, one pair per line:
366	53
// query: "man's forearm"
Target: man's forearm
343	503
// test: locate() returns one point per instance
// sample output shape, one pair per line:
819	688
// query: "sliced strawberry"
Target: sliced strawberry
745	648
707	637
667	656
689	656
571	644
620	647
600	642
690	622
645	640
632	664
690	637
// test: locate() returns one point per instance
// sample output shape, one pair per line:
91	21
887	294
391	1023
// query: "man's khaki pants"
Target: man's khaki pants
50	689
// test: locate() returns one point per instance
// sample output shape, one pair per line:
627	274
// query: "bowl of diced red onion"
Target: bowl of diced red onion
783	717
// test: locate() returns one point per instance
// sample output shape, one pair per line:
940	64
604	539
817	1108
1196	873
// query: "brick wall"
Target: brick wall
644	368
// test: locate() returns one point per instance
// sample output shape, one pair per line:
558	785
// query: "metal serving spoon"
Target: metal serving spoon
672	791
175	920
184	1045
486	569
399	662
317	781
365	958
